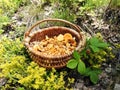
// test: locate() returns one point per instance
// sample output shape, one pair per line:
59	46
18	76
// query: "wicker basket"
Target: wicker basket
38	35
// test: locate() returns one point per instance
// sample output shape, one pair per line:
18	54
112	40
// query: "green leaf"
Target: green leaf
76	55
72	64
97	71
97	43
94	78
83	53
88	71
1	31
80	0
20	88
102	45
94	41
81	67
94	49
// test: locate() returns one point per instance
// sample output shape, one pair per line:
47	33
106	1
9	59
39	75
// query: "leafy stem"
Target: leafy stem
93	45
77	63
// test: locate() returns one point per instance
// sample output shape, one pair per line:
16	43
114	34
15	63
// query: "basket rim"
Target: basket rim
80	44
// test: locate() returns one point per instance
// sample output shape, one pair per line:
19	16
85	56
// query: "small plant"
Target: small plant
89	5
3	21
84	66
81	68
66	9
77	63
93	73
1	31
10	6
94	45
95	51
23	74
20	88
64	14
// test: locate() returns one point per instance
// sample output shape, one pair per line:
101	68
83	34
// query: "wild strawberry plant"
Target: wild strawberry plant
89	60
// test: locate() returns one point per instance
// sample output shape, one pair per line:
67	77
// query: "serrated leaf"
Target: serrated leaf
72	63
94	78
76	55
81	67
94	49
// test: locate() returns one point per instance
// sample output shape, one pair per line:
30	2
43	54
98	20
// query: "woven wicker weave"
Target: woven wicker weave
48	61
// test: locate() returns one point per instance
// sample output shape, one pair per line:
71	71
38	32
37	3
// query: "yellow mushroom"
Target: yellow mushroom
67	36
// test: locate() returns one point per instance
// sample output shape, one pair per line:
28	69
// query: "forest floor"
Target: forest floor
91	23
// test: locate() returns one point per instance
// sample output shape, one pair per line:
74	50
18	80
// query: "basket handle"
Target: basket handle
46	20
